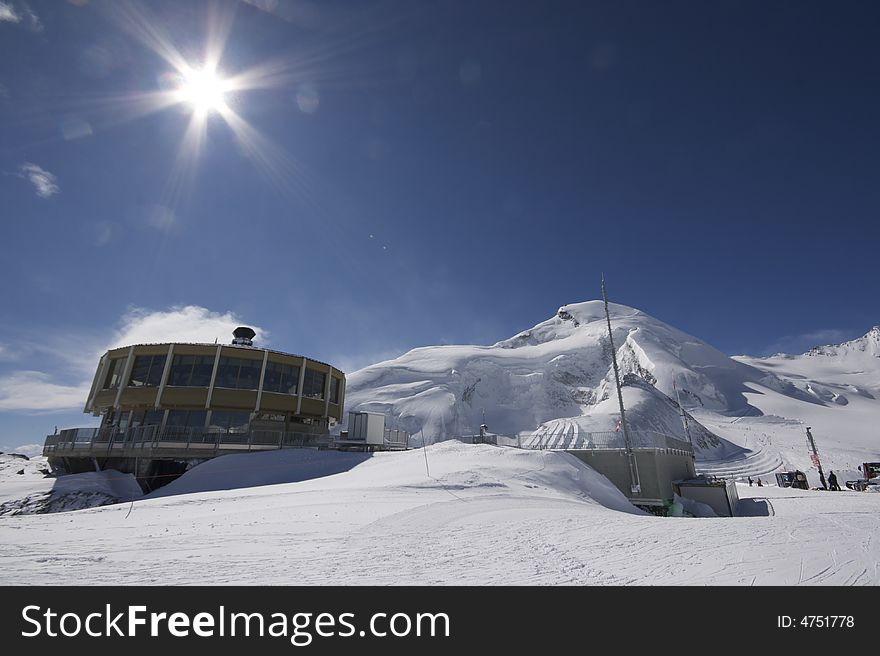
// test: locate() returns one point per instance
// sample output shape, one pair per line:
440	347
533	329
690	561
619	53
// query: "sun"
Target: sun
203	89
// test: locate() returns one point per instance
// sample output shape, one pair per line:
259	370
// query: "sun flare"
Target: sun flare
203	89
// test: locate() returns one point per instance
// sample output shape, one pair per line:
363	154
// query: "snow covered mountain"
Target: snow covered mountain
839	385
557	376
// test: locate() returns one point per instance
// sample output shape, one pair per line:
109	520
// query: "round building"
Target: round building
180	402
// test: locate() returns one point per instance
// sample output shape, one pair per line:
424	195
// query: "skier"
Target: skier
760	484
832	482
750	481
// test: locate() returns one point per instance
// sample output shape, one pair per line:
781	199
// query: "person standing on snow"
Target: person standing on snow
760	484
832	482
750	481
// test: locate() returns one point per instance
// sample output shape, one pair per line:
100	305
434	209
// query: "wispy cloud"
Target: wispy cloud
8	353
45	183
29	450
160	217
34	390
351	363
796	344
104	232
153	215
20	13
8	13
190	323
38	391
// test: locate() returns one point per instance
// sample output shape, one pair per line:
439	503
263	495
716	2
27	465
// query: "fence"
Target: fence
396	438
605	440
114	442
491	438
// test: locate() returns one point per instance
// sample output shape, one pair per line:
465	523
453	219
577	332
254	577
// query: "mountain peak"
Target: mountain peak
589	311
869	343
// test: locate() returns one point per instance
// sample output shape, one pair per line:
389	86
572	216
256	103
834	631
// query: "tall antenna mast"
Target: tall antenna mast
684	417
635	483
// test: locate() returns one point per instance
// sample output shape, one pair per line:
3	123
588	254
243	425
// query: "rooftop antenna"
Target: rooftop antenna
684	418
635	483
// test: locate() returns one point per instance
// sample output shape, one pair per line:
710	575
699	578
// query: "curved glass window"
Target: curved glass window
203	365
191	371
334	390
147	417
180	420
249	374
283	378
238	373
114	373
313	384
147	371
223	421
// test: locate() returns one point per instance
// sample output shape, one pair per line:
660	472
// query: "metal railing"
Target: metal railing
606	440
490	438
394	437
112	441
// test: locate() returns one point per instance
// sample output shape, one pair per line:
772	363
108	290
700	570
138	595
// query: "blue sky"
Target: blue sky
398	174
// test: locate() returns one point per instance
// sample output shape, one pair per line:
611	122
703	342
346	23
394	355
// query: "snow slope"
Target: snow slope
474	514
648	412
451	514
842	383
559	368
554	381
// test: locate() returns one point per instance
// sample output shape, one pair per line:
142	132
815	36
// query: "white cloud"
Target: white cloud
74	127
351	363
34	390
37	391
8	14
190	323
9	354
801	343
45	183
33	20
29	450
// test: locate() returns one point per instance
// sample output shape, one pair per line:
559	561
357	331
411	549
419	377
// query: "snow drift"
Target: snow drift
25	488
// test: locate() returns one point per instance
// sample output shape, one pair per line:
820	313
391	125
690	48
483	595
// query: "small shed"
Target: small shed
718	493
367	432
367	427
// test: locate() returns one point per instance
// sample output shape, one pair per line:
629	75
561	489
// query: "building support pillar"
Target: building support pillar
262	376
166	369
299	387
123	378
